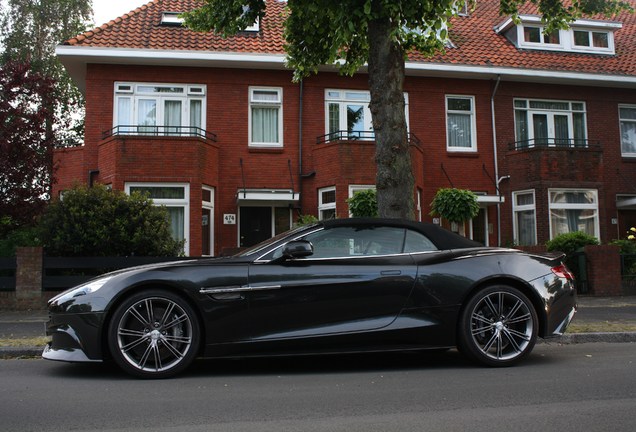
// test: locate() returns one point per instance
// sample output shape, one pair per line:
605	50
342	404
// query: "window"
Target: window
627	115
176	198
524	218
573	210
535	35
327	203
345	242
460	123
266	117
589	36
591	39
348	114
159	109
550	123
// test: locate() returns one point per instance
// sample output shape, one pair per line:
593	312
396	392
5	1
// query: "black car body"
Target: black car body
347	285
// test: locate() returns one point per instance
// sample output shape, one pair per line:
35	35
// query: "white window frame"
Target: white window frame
622	124
209	205
170	202
516	208
322	206
574	206
550	114
255	103
134	92
473	123
566	37
345	97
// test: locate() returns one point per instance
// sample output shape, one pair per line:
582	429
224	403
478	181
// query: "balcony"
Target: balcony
554	159
554	143
160	132
344	136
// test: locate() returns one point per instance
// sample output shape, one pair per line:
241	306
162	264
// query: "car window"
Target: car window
417	242
350	241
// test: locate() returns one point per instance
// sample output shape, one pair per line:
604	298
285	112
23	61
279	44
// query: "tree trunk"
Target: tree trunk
394	180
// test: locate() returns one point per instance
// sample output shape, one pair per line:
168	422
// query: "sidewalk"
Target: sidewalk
618	314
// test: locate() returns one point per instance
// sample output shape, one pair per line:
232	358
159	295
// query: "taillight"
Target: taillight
563	272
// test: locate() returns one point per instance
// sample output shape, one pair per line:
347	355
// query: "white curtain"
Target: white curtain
172	117
196	107
265	125
459	130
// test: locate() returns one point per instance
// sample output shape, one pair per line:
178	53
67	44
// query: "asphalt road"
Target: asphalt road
587	387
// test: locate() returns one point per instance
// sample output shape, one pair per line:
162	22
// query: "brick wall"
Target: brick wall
604	270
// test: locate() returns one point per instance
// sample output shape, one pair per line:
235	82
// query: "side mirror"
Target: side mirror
298	249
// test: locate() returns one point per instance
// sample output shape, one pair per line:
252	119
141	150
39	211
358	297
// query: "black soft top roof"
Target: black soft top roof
441	237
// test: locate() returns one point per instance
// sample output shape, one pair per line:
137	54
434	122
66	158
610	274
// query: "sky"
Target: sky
106	10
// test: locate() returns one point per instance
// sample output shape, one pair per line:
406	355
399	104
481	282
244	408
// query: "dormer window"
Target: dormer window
585	36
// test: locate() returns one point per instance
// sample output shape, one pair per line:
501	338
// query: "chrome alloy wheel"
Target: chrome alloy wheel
154	334
502	325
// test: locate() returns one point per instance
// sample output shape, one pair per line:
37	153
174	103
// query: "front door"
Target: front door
357	281
256	225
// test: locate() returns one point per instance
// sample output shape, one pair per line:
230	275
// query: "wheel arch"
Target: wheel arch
519	284
150	285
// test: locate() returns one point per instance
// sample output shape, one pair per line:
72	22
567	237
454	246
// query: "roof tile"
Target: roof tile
475	41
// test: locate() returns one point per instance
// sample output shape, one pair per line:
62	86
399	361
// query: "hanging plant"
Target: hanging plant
455	205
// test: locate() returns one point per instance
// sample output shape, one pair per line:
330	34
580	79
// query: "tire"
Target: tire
154	334
498	326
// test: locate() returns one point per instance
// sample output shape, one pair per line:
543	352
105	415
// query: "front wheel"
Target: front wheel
154	334
498	326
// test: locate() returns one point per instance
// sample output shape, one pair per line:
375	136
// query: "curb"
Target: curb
20	352
579	338
566	339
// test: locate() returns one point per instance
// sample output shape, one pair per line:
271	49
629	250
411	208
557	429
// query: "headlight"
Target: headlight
81	290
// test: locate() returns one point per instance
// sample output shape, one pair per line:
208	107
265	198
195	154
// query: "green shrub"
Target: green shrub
455	205
17	237
99	222
570	242
305	220
364	203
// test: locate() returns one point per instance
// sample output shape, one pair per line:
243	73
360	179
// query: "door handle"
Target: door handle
391	272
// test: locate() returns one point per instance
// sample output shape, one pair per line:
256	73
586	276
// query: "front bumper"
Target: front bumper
74	337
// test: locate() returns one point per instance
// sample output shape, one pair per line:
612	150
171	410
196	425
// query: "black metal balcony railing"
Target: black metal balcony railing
159	131
343	135
574	143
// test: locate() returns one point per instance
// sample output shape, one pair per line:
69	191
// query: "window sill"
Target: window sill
272	150
466	154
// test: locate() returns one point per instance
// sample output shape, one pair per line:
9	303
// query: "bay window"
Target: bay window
175	197
550	123
524	218
327	203
159	109
573	210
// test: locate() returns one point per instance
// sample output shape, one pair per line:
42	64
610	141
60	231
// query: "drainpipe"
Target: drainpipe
494	147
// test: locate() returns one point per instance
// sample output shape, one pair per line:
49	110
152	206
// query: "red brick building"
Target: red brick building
541	127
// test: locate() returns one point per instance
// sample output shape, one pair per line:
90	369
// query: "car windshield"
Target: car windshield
264	244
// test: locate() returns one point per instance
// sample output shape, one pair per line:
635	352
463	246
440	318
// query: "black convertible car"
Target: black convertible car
338	286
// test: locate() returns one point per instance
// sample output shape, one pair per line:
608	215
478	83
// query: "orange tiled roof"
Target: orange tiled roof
475	42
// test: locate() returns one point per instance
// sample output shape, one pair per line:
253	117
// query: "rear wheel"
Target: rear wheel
154	334
498	326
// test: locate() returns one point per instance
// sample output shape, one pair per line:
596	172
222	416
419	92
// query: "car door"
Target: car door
357	280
